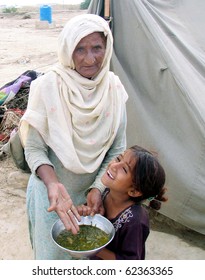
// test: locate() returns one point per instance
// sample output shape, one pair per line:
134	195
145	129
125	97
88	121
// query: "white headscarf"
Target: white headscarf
77	117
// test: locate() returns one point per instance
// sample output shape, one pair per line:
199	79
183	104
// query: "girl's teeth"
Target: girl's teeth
110	175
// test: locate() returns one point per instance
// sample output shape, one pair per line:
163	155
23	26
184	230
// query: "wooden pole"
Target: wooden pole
107	9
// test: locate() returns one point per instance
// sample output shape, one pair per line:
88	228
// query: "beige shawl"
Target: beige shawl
77	117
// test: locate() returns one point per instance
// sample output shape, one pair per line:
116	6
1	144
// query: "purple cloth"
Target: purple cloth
9	91
17	85
131	232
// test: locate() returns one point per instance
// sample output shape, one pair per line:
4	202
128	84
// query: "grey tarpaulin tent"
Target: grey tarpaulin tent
159	54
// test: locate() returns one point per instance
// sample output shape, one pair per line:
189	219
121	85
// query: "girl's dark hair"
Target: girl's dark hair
149	177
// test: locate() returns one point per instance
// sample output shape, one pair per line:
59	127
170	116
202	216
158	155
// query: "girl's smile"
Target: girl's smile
110	175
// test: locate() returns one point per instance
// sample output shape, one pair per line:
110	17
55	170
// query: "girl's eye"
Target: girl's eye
125	170
118	159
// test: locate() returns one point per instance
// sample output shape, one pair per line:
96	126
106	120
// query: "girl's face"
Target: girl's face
89	54
119	174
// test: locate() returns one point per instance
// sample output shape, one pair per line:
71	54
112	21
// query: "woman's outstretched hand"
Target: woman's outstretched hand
61	202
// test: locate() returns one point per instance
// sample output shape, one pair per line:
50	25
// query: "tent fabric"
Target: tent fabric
159	55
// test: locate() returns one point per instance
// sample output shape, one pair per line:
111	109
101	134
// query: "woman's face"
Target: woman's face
89	54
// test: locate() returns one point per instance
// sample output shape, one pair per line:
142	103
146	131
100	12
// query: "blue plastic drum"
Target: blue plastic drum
46	13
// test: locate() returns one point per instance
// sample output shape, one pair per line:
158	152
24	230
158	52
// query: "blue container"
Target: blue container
46	13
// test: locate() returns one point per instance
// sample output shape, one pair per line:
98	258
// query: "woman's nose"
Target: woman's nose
89	58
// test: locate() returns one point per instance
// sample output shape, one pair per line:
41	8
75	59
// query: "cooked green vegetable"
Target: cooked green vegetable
88	238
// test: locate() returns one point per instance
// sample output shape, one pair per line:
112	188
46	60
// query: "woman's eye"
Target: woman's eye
79	50
97	47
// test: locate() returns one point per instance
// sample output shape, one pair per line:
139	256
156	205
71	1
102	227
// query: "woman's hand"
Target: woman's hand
61	202
59	198
94	201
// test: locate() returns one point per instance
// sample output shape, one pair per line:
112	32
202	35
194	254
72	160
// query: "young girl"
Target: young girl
131	178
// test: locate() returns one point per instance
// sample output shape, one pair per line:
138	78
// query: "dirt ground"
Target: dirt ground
25	46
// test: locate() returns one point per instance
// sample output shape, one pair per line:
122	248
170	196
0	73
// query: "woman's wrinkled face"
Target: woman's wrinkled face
89	54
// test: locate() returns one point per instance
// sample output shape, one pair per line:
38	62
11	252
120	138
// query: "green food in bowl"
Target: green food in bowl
96	221
89	237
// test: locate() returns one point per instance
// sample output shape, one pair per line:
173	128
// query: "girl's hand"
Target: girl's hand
61	202
94	201
84	210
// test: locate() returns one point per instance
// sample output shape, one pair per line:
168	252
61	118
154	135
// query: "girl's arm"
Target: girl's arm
106	254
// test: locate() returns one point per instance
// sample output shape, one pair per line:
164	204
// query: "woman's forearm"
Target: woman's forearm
36	154
47	174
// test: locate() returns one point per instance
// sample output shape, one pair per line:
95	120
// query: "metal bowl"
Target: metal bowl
96	220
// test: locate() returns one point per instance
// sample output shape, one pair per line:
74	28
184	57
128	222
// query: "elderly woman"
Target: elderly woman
74	124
